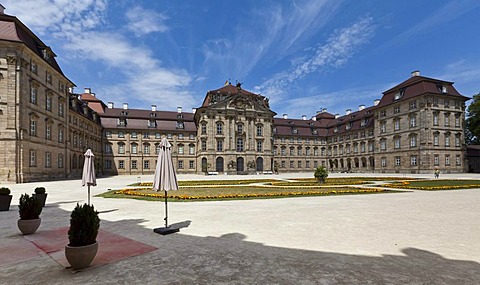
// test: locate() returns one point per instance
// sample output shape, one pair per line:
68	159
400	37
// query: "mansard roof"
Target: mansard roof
299	127
419	85
13	30
229	90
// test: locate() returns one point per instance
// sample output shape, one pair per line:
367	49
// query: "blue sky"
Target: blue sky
303	55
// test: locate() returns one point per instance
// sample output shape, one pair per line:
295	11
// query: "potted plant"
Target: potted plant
321	174
29	210
5	199
40	195
82	236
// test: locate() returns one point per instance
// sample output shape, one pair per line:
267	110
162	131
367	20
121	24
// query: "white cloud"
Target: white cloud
340	47
142	21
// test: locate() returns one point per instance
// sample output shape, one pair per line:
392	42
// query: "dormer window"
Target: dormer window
122	121
153	114
294	130
180	125
348	126
123	113
314	131
152	123
399	94
335	130
364	122
442	88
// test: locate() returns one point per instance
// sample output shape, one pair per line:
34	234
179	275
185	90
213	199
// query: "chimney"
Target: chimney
125	106
348	111
314	118
154	108
285	116
337	116
361	107
376	102
88	90
304	117
110	105
179	110
194	110
70	89
415	73
324	110
2	9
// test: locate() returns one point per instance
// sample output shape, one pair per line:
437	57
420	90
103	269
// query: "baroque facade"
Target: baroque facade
416	127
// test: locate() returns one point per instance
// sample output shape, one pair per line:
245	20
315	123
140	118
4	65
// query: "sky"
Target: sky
302	55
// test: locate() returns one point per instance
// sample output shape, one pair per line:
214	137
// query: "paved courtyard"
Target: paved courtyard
417	237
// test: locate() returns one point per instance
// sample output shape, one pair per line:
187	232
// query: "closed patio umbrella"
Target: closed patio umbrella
88	175
165	179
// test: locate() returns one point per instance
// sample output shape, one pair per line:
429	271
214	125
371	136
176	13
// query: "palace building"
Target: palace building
45	128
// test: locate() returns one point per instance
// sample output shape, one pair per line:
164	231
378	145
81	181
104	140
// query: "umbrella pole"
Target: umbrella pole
166	211
88	193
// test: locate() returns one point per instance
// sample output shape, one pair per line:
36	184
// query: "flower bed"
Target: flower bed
212	182
430	185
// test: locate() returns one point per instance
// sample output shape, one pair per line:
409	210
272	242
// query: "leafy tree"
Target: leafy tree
473	121
321	174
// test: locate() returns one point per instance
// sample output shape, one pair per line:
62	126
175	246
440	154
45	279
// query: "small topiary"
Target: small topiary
4	191
321	174
40	190
84	225
29	207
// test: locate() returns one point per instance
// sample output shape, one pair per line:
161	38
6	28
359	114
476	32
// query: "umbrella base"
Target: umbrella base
166	231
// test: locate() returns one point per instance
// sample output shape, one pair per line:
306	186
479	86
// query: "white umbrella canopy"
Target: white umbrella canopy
165	179
88	175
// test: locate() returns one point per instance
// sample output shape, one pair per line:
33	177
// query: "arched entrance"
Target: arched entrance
219	164
204	165
240	164
259	164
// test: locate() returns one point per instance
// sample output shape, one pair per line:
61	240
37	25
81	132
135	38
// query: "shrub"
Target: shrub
29	207
4	191
84	225
321	174
40	190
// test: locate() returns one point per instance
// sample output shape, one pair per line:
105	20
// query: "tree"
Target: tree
473	121
321	174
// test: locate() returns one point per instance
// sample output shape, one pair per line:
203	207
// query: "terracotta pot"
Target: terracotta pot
41	197
80	257
28	227
5	201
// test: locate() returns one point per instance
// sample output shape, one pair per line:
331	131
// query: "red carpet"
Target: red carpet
111	247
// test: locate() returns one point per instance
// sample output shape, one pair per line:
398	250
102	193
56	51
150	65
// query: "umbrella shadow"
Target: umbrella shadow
107	211
180	225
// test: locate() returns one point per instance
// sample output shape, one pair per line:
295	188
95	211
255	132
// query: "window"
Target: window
219	128
299	151
396	124
457	140
447	103
398	161
240	128
180	125
259	146
292	151
436	139
61	109
191	137
134	148
259	130
33	126
299	164
362	147
33	158
75	140
307	151
307	164
447	159
191	149
436	160
413	105
203	128
191	164
282	164
283	151
34	67
396	141
458	160
60	160
219	145
294	130
457	121
122	122
413	140
33	94
146	149
108	164
413	121
180	136
383	127
447	140
204	145
121	148
435	119
157	135
383	113
146	164
413	160
108	148
240	144
48	131
134	164
152	123
121	134
48	103
383	161
447	119
291	164
169	136
133	135
49	78
108	134
180	164
121	164
396	110
146	135
48	159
